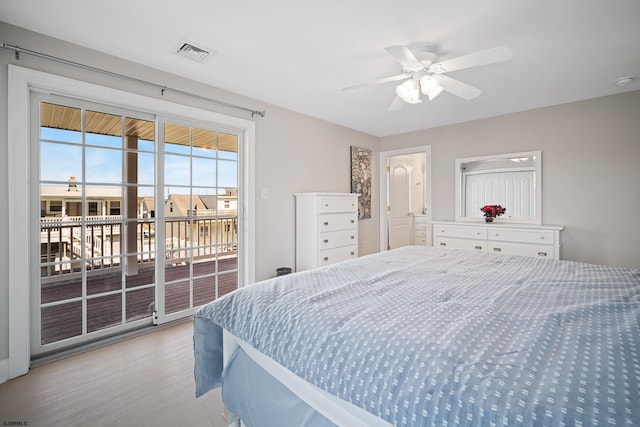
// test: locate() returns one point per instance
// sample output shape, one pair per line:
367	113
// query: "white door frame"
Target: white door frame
384	223
21	83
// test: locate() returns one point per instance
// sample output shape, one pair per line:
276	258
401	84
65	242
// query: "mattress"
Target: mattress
427	336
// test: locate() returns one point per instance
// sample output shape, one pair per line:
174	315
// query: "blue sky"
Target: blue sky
104	163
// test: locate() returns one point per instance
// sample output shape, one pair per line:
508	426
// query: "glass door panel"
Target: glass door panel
61	321
104	311
200	215
96	225
141	303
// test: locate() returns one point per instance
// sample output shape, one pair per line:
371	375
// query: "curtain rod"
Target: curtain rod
18	50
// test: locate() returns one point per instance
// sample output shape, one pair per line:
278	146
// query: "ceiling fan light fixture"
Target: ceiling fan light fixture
429	84
423	75
409	91
435	93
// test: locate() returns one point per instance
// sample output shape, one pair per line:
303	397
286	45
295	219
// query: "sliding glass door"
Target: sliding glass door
138	219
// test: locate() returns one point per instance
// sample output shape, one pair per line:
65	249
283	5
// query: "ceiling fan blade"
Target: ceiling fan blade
397	104
459	88
377	82
404	56
484	57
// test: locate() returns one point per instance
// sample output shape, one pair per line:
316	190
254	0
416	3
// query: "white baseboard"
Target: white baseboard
4	370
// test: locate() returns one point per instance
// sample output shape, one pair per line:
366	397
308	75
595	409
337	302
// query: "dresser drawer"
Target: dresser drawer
338	221
331	256
505	239
338	204
420	219
420	240
538	251
421	228
463	232
542	237
419	223
420	233
336	239
453	243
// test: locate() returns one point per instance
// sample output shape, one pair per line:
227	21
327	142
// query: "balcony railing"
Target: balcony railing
65	242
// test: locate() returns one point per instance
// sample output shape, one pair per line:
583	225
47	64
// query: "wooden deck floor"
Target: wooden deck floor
65	320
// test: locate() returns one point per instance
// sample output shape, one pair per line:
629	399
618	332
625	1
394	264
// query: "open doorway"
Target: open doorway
405	202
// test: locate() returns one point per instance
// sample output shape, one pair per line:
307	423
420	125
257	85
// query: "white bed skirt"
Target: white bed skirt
338	411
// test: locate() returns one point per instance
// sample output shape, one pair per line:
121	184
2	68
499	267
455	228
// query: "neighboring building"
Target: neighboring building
177	205
59	202
215	222
213	228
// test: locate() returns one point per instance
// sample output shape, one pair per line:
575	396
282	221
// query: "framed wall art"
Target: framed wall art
361	179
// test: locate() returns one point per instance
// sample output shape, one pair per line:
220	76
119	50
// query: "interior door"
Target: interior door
399	197
406	192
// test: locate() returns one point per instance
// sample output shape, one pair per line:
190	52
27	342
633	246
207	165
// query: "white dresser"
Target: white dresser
420	230
326	229
509	239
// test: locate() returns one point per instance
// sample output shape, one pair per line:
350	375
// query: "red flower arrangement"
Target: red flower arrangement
492	211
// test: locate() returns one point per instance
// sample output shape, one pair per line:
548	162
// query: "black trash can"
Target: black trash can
282	271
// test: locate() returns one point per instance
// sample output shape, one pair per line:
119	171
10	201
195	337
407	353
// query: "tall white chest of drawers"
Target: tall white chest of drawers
326	229
507	239
420	228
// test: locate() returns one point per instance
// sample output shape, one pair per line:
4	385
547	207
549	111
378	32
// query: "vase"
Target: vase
488	219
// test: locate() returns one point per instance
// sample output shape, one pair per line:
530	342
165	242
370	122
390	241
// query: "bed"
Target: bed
420	336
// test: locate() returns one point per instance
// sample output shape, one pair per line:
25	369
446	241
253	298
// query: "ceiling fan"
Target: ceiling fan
423	75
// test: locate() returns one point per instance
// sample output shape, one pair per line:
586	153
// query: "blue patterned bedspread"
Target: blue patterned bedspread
428	337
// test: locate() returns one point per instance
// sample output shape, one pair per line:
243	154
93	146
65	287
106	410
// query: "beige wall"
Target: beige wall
590	172
294	152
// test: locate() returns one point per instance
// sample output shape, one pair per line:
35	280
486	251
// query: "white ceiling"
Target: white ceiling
299	54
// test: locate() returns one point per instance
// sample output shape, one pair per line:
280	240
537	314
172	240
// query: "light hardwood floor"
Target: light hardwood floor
142	381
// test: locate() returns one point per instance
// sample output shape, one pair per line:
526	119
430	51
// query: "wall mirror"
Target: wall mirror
511	180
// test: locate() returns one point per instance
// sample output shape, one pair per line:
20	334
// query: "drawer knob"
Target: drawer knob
326	240
497	249
326	258
353	253
443	244
541	237
353	237
478	247
497	235
352	221
542	253
326	223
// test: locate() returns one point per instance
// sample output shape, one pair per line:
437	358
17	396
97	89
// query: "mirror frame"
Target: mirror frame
537	219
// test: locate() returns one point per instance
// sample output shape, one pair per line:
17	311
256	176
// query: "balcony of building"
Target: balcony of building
198	259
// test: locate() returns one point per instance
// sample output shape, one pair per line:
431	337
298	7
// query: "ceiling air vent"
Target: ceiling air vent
191	51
